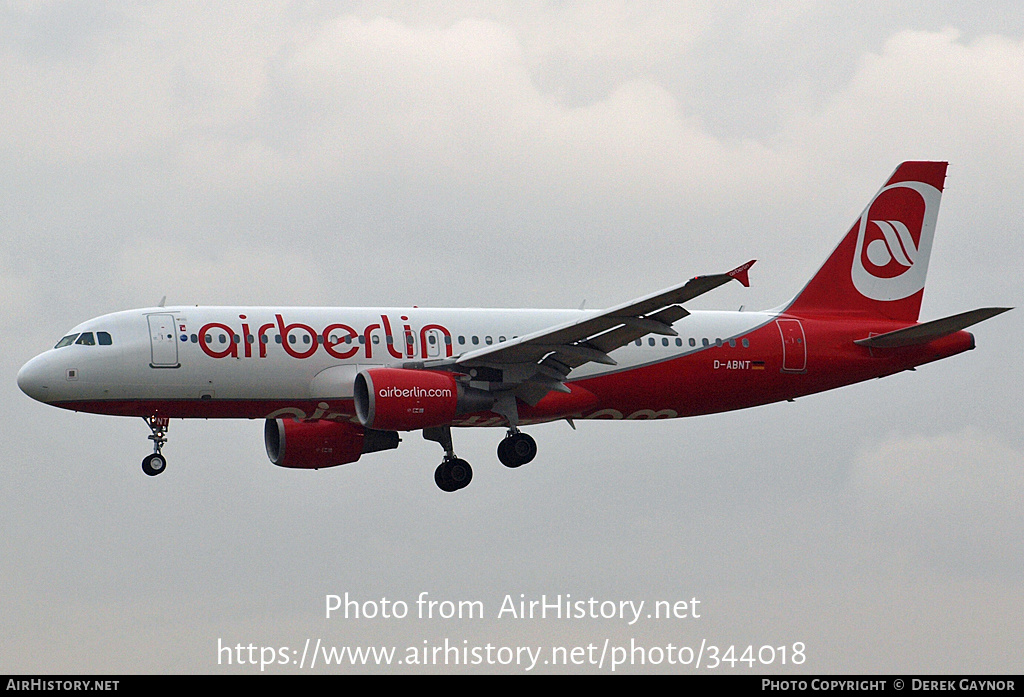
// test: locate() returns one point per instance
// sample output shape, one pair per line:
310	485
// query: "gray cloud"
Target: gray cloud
484	154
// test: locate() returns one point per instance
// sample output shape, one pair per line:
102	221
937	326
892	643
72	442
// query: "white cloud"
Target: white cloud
955	495
926	95
147	269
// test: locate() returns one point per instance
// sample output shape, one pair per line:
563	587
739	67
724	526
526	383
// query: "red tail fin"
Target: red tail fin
880	266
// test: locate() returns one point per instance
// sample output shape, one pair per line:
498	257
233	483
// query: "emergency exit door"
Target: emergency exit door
794	345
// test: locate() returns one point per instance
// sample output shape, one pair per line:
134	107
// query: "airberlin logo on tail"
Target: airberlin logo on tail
894	241
896	244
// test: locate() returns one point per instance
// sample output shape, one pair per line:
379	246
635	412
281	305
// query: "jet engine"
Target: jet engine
400	399
316	444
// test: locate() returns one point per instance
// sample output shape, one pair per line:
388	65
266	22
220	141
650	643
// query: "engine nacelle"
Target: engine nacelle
399	399
316	444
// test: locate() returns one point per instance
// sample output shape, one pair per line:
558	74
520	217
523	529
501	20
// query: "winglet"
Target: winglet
740	273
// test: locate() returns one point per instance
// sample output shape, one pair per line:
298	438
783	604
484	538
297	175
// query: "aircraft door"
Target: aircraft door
162	341
794	345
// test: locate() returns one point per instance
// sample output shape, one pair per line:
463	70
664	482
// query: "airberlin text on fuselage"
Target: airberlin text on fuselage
339	340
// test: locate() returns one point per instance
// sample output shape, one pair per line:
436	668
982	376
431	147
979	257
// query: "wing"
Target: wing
534	364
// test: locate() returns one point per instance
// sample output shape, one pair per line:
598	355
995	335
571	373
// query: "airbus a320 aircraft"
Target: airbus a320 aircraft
336	383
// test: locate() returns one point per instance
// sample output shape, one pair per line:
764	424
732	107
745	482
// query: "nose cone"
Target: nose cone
34	379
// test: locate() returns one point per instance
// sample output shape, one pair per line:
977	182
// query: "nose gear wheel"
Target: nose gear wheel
156	463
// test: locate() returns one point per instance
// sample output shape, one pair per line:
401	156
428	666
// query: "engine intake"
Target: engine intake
317	444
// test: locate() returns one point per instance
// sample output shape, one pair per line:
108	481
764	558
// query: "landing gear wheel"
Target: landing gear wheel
517	449
441	478
154	464
453	474
460	472
504	456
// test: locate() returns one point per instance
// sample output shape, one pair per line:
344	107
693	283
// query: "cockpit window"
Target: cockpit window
86	339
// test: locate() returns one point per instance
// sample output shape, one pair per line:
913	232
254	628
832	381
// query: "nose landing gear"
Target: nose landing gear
156	463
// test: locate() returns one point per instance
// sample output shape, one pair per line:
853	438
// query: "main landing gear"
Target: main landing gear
155	464
455	473
516	449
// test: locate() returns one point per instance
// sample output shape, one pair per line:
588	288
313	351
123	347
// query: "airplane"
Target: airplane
333	383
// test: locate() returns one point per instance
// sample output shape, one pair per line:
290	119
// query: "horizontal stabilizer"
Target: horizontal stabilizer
929	331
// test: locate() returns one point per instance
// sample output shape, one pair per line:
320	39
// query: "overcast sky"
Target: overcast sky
526	154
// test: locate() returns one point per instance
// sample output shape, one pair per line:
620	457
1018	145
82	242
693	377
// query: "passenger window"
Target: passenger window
693	342
732	343
679	342
746	344
651	342
488	340
66	341
664	342
705	342
476	340
86	339
639	342
462	339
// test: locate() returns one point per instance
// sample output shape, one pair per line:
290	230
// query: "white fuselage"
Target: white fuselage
235	355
